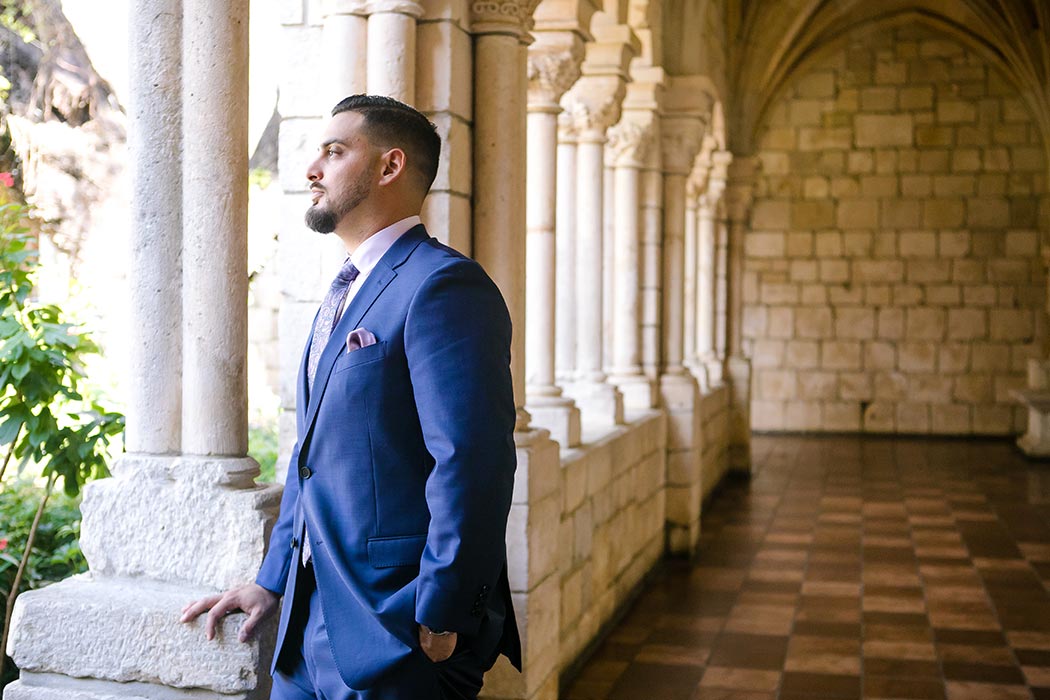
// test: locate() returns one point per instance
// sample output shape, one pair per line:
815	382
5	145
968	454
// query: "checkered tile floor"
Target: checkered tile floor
850	568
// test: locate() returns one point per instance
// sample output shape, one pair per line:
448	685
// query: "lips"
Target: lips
315	194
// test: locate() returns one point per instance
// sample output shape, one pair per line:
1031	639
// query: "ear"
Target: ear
393	164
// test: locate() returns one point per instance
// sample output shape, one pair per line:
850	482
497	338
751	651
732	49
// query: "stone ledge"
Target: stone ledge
49	686
128	630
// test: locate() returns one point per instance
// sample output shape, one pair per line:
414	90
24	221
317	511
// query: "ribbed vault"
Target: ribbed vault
770	42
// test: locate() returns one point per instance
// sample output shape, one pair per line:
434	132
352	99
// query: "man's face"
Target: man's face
342	176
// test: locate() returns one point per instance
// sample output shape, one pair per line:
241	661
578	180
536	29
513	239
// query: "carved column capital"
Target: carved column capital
401	7
500	16
554	61
629	143
330	8
594	104
680	139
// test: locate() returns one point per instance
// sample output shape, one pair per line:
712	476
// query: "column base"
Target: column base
639	394
714	369
1036	442
680	397
87	638
136	524
738	372
559	415
599	401
532	566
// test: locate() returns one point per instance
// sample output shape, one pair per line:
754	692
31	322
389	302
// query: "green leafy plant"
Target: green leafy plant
44	419
262	446
56	549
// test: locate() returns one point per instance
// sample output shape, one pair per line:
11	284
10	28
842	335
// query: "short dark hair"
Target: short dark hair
388	123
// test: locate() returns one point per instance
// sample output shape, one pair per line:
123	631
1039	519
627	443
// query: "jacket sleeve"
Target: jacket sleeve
457	342
273	574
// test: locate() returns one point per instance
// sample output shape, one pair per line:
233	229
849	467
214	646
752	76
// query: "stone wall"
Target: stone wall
714	439
893	282
612	526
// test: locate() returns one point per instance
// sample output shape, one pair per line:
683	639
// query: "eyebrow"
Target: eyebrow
331	142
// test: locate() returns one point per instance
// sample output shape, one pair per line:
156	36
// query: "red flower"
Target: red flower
7	179
3	540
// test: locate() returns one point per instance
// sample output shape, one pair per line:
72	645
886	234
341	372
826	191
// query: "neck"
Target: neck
353	231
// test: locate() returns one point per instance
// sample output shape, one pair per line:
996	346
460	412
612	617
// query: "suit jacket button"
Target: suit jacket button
305	473
295	543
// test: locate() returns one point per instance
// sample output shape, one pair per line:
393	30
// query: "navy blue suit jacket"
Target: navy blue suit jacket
404	467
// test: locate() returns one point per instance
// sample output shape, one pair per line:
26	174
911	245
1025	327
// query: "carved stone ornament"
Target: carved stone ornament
679	143
594	106
552	72
629	143
401	7
498	16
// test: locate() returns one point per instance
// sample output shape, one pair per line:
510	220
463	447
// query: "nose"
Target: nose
313	171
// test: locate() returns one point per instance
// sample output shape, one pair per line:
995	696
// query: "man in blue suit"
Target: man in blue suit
390	548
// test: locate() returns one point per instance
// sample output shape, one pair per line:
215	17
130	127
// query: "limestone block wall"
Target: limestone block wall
714	441
612	526
892	277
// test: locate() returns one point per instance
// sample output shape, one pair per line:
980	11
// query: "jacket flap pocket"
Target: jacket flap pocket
385	552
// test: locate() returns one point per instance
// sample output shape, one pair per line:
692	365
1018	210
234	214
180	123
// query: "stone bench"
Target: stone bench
1036	441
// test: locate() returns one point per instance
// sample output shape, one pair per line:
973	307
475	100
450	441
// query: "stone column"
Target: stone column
594	103
392	48
652	270
553	65
499	245
722	292
154	383
609	281
708	288
739	194
344	46
680	141
565	234
167	529
629	143
690	283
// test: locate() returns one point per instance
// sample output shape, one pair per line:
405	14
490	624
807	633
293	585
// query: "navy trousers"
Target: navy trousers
311	673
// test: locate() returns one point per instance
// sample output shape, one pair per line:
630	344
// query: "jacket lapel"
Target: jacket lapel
381	276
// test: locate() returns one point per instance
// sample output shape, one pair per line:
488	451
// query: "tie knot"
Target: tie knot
347	274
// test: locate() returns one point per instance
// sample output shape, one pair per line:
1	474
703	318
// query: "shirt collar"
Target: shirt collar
375	246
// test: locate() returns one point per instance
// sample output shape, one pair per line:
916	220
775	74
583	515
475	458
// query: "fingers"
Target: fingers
193	609
248	628
227	603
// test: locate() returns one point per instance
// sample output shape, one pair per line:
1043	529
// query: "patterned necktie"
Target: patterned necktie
326	316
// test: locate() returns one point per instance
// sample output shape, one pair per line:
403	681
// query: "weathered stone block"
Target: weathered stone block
925	323
840	355
855	323
988	212
1011	324
943	213
761	244
950	419
812	215
771	215
135	523
813	323
967	324
917	244
874	130
917	356
901	213
956	112
913	418
128	631
857	214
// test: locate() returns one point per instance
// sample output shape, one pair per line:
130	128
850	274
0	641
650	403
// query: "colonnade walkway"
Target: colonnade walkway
850	568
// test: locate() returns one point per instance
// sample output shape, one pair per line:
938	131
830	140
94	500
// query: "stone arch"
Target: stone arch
817	28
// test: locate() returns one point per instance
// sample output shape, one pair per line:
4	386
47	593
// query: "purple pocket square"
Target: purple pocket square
359	338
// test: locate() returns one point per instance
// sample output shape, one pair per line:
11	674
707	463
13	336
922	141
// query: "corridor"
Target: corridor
850	568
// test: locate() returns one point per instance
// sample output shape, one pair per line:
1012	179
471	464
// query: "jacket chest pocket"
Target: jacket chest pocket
361	356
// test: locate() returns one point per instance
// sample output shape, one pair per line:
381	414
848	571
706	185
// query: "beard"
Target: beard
325	219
